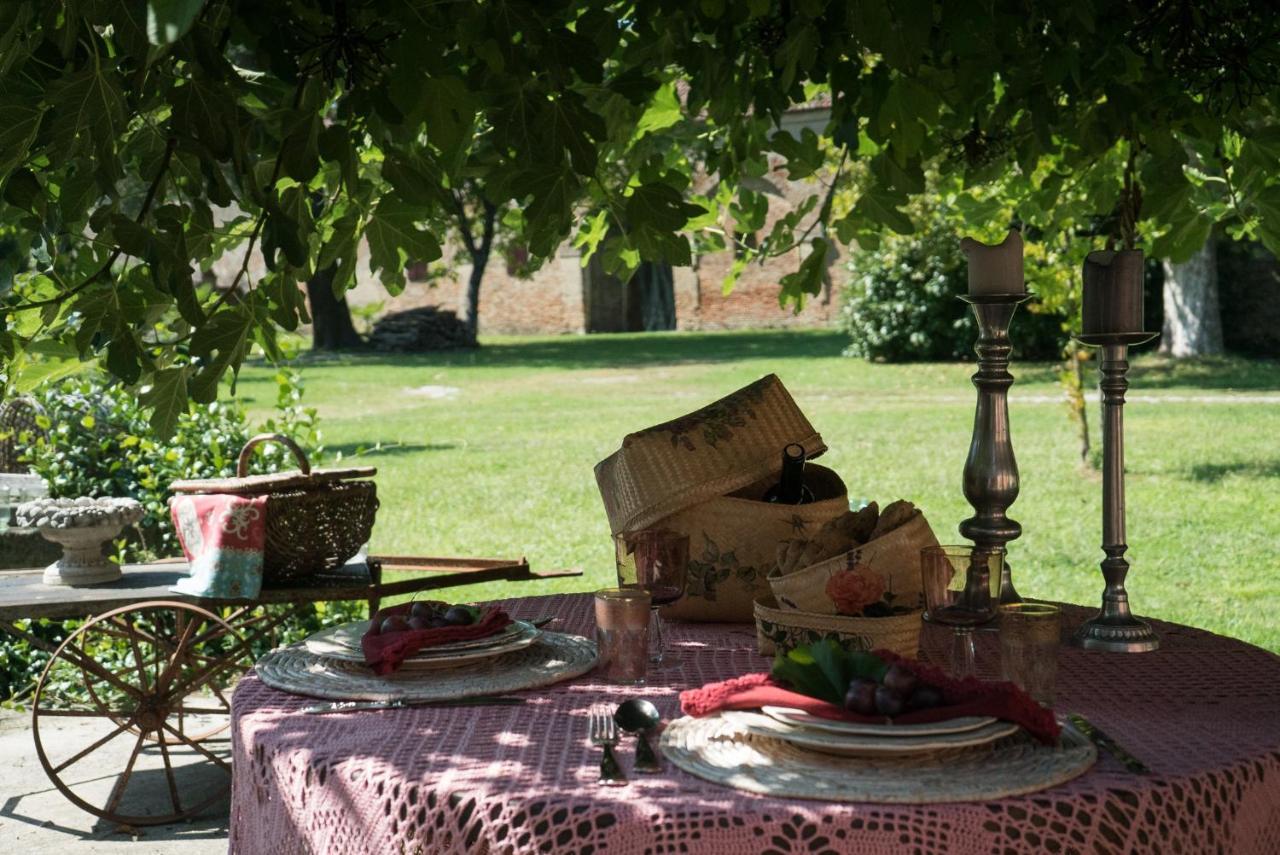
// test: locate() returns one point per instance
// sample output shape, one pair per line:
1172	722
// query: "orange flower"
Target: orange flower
854	590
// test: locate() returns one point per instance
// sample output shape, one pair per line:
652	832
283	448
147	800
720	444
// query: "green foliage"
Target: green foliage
101	443
823	669
901	302
140	141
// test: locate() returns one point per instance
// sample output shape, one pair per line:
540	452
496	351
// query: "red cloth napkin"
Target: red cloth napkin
386	653
969	696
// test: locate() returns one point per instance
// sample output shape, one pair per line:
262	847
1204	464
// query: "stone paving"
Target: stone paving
36	819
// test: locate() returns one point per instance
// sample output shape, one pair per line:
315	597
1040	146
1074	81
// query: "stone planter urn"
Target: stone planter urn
82	527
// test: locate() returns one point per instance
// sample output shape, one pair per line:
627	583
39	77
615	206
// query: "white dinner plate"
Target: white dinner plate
807	721
855	745
343	642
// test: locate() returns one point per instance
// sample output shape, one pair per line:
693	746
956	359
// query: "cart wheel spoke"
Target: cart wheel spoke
80	755
98	713
198	747
176	648
122	783
85	662
168	774
166	677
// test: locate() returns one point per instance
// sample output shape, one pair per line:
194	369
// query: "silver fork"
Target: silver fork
604	734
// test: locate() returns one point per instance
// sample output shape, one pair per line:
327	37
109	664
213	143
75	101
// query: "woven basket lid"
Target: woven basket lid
278	482
723	447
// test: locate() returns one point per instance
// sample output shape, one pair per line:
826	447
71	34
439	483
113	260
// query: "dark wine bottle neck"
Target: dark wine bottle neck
790	489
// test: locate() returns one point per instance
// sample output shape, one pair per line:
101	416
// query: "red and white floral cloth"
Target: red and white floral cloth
223	538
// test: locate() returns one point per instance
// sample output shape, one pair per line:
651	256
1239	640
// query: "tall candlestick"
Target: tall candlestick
995	269
991	471
1114	628
1112	299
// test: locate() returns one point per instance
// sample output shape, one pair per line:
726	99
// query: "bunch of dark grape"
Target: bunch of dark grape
422	616
898	691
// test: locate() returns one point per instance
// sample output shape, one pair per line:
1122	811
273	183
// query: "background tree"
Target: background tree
128	130
1192	316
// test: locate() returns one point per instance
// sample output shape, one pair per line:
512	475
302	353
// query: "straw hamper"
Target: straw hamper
316	519
704	475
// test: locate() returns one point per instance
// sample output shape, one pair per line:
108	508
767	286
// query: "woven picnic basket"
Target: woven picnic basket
316	518
19	426
705	475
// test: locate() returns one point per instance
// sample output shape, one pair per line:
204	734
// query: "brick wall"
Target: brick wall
552	300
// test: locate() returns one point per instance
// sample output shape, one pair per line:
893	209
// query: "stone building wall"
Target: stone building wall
552	301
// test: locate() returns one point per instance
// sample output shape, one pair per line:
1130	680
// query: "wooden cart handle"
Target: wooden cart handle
242	465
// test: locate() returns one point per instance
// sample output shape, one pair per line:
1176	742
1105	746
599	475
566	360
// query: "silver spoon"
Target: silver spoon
638	716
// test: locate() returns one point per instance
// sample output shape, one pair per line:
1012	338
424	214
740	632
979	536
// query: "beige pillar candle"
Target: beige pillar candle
995	269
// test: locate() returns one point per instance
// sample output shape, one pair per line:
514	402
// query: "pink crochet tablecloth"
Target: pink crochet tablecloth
1203	713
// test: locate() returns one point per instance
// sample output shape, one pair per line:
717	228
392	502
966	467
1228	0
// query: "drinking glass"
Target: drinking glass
1030	635
622	634
657	561
961	590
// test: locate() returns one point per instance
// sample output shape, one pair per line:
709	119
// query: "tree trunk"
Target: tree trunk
331	326
479	253
655	286
1192	321
479	262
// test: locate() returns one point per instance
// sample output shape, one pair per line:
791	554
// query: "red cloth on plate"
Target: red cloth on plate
386	653
969	696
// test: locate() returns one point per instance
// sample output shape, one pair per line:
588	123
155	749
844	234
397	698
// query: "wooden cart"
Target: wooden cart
157	669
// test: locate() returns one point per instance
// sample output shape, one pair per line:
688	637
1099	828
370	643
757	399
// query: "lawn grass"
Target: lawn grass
503	467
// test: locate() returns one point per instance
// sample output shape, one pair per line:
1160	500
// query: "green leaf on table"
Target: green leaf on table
823	669
170	20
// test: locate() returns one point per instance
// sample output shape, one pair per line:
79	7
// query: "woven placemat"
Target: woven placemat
719	749
553	658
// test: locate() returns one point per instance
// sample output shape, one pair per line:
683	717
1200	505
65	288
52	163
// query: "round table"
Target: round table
1203	713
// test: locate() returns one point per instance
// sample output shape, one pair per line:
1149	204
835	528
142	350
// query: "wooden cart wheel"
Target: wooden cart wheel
116	625
156	676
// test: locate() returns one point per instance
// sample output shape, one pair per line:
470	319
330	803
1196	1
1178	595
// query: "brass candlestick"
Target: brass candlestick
991	472
1114	629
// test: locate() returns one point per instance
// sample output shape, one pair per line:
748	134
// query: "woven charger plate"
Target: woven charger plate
555	657
719	749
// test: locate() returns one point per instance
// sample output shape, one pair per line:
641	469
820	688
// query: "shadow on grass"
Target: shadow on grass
1210	372
1211	473
615	351
361	450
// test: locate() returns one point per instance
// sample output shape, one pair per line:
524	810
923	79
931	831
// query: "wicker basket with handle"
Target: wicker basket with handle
316	518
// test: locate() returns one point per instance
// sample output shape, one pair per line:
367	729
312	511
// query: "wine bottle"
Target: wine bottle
791	489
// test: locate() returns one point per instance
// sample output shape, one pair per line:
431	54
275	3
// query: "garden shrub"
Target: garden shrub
900	303
100	444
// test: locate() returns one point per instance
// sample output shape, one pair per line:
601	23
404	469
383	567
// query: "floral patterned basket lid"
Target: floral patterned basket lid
722	447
